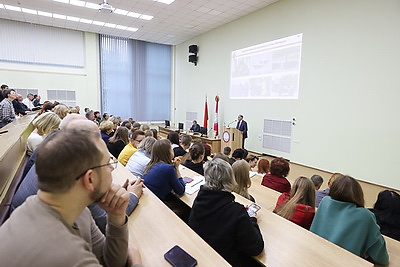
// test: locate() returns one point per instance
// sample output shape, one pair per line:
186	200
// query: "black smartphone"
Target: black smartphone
253	208
179	258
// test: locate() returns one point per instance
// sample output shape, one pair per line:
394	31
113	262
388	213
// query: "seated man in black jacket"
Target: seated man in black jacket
19	107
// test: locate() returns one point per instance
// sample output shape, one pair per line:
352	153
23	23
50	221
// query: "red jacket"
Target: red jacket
303	215
279	184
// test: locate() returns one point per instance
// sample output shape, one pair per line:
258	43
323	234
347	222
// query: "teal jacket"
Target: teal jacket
350	227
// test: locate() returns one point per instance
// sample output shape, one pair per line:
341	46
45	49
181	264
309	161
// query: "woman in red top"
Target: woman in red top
276	179
299	205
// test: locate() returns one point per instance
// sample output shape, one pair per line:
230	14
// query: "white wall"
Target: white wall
347	112
85	82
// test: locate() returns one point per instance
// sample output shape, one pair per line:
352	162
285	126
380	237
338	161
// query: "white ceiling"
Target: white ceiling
171	24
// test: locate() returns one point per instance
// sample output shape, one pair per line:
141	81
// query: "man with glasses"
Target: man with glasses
134	141
54	227
29	186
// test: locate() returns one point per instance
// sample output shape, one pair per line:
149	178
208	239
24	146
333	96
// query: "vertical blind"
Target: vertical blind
135	78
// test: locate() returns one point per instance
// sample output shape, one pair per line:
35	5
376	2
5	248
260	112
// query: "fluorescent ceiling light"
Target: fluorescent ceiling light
134	15
58	16
72	18
110	25
30	11
62	1
14	8
88	21
132	29
121	27
146	17
165	1
92	6
2	6
121	11
99	23
77	3
45	14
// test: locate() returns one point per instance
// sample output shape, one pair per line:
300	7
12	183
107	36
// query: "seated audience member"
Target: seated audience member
276	179
252	160
90	116
387	213
185	143
47	107
7	113
241	171
342	219
36	100
237	154
106	128
263	166
245	154
227	151
223	223
134	141
61	110
118	141
86	110
162	172
115	122
207	151
135	126
20	108
28	101
173	137
148	133
195	127
126	124
73	110
144	127
317	181
3	87
195	162
222	156
29	186
320	194
139	160
155	133
44	124
54	228
299	205
97	117
105	117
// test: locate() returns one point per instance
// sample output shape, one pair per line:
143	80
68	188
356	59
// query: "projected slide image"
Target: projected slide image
269	70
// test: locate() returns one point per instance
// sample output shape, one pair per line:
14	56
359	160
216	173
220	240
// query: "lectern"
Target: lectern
231	137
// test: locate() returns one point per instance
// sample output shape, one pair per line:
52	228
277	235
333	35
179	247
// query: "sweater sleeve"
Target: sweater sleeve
249	236
177	184
377	245
111	250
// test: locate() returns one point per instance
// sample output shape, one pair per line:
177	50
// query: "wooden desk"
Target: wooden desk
155	229
214	143
12	150
287	244
264	196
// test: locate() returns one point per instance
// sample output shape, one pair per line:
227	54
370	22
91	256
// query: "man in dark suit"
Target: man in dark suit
242	126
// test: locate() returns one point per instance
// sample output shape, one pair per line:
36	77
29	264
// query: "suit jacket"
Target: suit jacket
242	127
19	107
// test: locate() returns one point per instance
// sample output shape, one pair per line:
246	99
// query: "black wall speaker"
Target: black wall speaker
193	49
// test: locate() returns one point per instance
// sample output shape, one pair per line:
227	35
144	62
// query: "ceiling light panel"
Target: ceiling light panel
13	8
168	2
29	11
77	3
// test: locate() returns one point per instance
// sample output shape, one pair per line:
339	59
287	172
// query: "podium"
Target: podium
231	137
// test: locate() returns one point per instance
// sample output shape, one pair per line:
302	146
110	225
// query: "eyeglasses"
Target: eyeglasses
113	164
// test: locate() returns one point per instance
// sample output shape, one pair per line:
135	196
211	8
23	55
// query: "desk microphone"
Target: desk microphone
231	123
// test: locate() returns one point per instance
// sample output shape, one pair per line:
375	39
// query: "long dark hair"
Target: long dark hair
387	213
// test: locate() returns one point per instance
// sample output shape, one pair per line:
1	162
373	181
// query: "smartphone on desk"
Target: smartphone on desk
253	208
179	258
187	180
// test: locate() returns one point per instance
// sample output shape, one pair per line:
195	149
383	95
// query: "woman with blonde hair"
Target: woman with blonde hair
44	124
342	219
241	171
106	128
61	110
299	205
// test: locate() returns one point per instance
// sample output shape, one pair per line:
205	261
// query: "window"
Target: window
135	78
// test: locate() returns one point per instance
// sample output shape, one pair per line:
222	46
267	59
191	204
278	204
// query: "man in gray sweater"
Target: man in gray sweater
54	228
